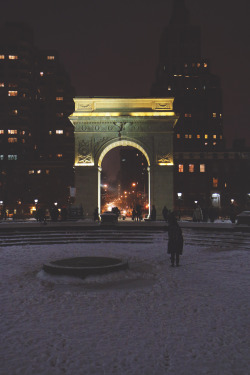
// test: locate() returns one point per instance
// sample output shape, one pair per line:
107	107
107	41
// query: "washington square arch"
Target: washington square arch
103	123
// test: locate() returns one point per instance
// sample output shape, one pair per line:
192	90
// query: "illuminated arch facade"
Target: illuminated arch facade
102	124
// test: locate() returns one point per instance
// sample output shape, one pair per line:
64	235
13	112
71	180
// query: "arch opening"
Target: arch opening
123	143
124	180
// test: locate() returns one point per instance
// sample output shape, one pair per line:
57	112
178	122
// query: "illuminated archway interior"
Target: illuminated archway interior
124	181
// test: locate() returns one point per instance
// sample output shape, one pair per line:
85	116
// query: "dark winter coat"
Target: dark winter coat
175	239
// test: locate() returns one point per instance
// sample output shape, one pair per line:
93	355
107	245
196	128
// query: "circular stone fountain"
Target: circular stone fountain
85	266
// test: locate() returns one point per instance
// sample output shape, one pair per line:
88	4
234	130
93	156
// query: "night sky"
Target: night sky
110	48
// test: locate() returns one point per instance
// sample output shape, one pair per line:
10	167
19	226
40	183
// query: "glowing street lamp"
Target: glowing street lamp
179	195
36	201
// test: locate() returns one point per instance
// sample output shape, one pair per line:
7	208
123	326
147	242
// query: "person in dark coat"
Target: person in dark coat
165	213
153	213
175	240
96	214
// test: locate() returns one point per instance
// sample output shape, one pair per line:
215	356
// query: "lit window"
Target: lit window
12	140
38	171
214	143
215	182
1	131
193	65
181	168
206	144
60	98
23	140
190	136
12	131
59	131
214	136
47	171
1	84
1	157
198	136
178	135
214	115
14	112
169	88
22	132
59	155
2	57
198	65
205	65
41	74
12	157
202	168
191	168
50	132
31	171
206	136
50	57
220	115
188	115
13	57
12	93
221	137
186	135
185	65
59	114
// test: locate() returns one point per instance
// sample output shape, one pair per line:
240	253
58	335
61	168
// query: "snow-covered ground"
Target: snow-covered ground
149	320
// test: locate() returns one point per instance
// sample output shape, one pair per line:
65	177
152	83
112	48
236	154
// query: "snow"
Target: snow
149	320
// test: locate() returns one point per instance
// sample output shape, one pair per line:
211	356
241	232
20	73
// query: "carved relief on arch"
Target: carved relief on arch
84	152
164	155
98	143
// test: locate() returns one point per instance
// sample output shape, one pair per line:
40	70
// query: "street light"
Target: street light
179	195
36	201
1	207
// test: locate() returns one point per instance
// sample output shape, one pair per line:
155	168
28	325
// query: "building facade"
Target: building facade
205	173
36	137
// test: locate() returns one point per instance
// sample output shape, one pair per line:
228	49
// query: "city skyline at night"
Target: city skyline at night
111	49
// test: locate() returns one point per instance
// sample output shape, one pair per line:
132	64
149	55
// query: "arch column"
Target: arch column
161	191
87	184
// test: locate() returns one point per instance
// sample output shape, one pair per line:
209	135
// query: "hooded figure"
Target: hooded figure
175	240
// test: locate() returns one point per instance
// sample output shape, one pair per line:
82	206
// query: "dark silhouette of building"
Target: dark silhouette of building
205	173
36	137
182	73
133	169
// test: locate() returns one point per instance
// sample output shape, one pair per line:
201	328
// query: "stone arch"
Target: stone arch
102	123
